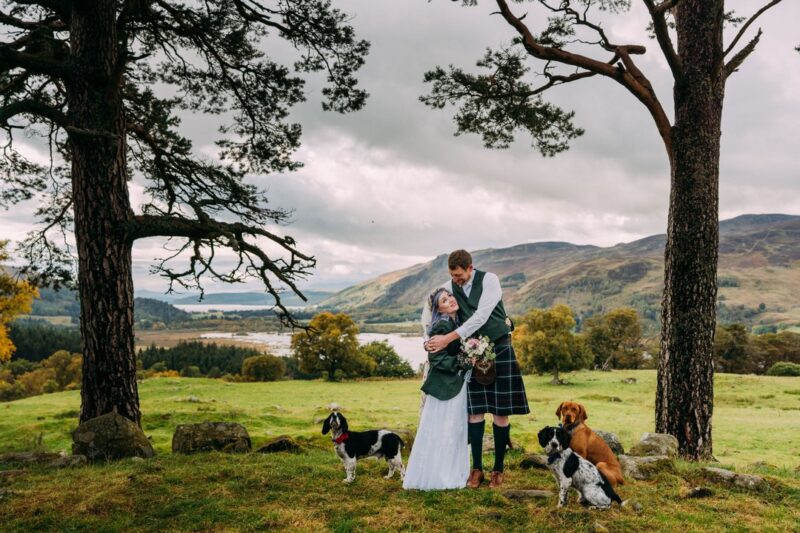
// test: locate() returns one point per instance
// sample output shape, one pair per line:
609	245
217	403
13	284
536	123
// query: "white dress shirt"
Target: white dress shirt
490	297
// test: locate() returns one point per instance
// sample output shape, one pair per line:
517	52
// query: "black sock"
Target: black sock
500	444
475	430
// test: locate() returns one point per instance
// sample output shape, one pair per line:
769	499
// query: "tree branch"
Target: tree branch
666	5
36	64
60	7
747	24
211	233
737	60
632	78
33	107
663	38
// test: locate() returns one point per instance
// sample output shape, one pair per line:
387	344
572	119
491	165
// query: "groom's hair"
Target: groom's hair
459	259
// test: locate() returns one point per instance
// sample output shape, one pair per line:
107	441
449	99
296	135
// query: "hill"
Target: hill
253	298
759	276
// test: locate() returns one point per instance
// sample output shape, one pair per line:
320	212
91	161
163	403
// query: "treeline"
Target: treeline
207	357
547	341
331	350
21	378
738	351
36	340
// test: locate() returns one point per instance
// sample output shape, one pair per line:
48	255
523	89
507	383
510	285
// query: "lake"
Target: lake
205	308
409	348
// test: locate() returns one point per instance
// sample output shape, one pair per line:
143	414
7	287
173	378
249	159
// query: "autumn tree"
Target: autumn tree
330	345
568	44
615	338
103	83
16	297
265	367
544	341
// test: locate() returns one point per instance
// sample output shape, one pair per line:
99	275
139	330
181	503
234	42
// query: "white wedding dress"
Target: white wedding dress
440	456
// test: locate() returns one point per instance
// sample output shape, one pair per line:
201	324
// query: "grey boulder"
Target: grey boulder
108	437
655	444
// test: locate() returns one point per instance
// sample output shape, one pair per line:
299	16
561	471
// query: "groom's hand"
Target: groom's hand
437	343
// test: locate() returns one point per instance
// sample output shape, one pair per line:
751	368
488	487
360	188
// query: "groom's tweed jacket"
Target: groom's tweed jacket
506	396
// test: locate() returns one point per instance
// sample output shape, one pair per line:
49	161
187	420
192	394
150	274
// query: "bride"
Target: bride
440	457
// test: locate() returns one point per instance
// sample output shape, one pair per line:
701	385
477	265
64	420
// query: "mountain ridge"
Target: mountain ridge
759	263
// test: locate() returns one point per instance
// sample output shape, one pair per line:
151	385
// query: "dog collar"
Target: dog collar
341	438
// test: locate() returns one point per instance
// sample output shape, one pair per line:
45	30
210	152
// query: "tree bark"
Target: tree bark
684	398
102	211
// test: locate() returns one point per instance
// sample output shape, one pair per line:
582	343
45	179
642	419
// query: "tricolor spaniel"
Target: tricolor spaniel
351	446
572	470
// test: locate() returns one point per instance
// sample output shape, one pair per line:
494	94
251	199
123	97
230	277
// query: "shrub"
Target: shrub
784	368
67	368
388	363
263	368
190	372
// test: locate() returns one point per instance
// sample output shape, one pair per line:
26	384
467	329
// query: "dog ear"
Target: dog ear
544	436
563	437
342	423
326	426
558	411
571	465
582	413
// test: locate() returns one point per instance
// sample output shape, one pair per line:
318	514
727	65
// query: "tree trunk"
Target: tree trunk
555	380
684	398
102	209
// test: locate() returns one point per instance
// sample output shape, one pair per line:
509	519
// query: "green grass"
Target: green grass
753	421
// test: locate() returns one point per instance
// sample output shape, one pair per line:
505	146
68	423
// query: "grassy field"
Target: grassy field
755	419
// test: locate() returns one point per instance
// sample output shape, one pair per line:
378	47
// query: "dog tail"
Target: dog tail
608	489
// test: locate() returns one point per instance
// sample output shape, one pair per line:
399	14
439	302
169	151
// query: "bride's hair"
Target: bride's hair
436	315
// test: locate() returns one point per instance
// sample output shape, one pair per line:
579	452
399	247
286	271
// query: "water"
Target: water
409	348
204	308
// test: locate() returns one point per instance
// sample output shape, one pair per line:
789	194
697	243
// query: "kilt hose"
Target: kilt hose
506	396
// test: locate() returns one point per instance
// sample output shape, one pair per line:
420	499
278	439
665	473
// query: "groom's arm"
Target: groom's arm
490	297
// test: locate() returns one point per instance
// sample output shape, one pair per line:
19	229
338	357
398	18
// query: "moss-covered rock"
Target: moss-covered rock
109	437
655	444
211	436
645	467
284	443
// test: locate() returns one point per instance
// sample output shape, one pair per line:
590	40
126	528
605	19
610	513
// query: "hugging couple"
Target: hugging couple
455	404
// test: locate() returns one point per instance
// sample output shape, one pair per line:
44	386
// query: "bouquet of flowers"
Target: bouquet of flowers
479	353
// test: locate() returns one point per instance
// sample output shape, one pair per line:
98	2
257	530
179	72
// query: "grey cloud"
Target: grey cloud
366	201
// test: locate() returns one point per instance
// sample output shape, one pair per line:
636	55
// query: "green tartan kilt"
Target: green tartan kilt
506	396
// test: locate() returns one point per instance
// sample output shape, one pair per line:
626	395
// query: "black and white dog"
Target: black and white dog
573	471
353	445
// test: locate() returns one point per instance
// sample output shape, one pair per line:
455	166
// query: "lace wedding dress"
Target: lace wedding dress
440	456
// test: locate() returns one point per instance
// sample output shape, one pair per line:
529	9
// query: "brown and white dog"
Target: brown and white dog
587	443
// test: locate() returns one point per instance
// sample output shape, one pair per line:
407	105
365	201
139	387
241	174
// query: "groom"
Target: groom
481	312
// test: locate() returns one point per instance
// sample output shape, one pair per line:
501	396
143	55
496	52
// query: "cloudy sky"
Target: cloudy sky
390	186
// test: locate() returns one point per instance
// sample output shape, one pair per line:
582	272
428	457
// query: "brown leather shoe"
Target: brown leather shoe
496	480
475	478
